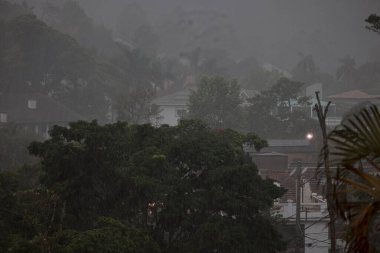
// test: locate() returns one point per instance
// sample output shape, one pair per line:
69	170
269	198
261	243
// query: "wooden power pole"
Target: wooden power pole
321	113
300	234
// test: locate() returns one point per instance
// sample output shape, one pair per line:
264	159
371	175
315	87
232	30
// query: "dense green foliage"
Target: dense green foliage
216	102
121	188
373	21
13	147
280	111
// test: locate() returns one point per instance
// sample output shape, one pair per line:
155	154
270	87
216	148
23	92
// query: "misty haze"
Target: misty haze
164	126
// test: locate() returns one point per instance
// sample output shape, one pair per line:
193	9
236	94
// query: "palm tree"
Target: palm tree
355	152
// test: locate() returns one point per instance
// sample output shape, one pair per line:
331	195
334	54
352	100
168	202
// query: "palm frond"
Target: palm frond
354	142
358	136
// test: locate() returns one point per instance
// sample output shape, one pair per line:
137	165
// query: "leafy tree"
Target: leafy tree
179	186
111	236
213	190
8	185
308	72
216	101
13	147
137	70
136	106
208	61
373	21
368	75
80	164
28	213
271	114
347	74
260	79
260	116
142	77
284	91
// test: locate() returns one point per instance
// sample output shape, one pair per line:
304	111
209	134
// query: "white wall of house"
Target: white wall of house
170	114
316	237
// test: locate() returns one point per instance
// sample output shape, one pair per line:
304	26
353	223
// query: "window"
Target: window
32	104
3	118
181	113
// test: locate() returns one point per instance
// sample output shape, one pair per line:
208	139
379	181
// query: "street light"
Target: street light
309	136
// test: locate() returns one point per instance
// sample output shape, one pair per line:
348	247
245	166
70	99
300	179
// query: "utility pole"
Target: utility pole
299	241
322	114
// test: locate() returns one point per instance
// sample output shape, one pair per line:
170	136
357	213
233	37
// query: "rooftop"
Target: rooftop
270	154
288	178
354	94
288	143
247	93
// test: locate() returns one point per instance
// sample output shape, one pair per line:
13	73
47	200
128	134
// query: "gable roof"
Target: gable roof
354	94
47	110
288	142
247	93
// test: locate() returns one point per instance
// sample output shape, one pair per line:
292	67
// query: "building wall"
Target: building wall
270	162
169	115
315	223
316	237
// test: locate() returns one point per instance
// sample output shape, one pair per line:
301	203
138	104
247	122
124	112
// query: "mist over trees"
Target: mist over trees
117	180
113	70
272	31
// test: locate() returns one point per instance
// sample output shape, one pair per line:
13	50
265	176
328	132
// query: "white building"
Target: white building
172	107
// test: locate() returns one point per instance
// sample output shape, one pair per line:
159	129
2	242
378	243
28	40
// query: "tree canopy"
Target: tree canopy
280	111
216	101
165	189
